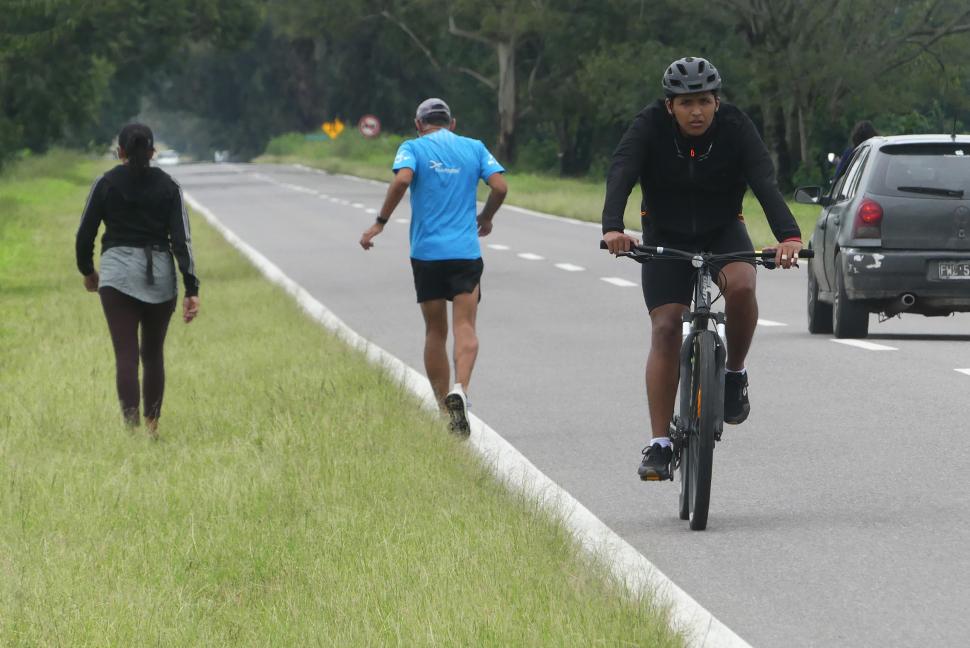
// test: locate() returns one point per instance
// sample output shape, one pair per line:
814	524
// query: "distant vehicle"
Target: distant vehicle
893	235
167	158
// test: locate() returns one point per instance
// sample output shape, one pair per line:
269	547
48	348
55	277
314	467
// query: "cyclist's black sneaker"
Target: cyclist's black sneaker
656	463
736	405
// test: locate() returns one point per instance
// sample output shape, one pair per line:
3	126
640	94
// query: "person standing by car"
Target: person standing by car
145	223
442	170
861	132
694	156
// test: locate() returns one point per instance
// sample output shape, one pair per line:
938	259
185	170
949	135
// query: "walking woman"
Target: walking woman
145	223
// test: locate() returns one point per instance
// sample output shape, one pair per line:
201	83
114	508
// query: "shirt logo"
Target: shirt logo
401	157
439	167
491	160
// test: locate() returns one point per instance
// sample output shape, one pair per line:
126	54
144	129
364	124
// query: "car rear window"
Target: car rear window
943	166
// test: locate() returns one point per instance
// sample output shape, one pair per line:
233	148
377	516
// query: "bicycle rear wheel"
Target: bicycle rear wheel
699	453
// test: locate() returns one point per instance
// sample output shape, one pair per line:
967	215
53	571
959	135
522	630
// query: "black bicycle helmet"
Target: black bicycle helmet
689	75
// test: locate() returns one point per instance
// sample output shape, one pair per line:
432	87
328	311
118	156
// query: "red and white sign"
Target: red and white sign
369	126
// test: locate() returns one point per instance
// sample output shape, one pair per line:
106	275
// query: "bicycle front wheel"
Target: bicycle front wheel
704	402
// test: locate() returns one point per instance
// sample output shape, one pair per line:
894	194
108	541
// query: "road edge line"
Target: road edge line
626	564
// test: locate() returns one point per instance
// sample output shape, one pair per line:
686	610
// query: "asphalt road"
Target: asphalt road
840	513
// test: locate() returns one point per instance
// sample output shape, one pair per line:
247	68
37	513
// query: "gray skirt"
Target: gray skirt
126	269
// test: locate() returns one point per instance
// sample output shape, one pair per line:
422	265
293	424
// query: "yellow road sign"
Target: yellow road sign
333	128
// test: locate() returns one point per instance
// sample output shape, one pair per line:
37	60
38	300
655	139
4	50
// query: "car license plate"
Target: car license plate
955	270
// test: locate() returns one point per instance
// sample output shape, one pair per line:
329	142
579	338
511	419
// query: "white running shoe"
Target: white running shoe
457	406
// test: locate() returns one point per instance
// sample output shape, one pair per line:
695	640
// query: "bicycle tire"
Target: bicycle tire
685	390
703	418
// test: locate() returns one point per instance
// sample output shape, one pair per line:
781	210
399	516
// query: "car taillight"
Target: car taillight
868	220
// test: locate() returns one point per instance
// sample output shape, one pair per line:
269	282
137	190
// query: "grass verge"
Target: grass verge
574	198
297	497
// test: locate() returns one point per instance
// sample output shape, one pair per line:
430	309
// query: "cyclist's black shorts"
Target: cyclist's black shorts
670	281
445	279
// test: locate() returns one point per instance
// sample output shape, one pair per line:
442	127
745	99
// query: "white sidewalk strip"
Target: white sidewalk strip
764	322
529	256
496	246
616	281
569	267
625	562
963	371
868	346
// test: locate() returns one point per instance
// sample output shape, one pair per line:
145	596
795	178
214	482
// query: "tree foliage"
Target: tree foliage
548	83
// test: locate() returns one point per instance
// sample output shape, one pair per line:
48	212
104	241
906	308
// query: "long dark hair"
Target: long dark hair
861	132
138	143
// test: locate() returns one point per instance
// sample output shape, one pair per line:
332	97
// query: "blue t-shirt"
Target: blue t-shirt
447	168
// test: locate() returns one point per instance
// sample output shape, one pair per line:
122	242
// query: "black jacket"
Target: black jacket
697	193
137	211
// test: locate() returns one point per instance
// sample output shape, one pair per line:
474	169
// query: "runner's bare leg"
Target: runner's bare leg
464	312
435	347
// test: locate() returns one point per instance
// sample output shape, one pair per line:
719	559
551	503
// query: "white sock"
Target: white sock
740	371
663	442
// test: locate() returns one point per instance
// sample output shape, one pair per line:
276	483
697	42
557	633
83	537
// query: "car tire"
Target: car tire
819	313
849	319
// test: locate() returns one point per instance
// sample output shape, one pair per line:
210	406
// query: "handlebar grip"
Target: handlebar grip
603	245
769	253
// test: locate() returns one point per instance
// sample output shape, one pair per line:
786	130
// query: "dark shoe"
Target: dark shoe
457	406
656	463
736	405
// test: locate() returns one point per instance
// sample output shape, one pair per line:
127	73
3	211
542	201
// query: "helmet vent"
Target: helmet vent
682	68
700	67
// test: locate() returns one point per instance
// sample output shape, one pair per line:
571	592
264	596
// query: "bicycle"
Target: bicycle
694	432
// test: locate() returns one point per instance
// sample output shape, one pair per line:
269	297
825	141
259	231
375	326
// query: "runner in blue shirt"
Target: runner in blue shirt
443	169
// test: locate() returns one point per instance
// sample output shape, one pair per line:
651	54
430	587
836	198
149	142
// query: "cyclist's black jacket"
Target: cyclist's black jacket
138	211
697	194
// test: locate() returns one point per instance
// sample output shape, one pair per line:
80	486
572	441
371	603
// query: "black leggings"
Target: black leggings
124	313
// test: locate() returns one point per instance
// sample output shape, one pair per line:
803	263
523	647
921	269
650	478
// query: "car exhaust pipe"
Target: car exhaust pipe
904	303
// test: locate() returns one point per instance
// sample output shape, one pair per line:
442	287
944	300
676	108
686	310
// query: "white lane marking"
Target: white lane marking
569	267
344	202
869	346
358	205
498	246
512	468
370	210
403	221
323	196
616	281
963	371
764	322
529	256
335	200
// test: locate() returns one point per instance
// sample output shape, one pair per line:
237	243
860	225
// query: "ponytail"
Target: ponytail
138	143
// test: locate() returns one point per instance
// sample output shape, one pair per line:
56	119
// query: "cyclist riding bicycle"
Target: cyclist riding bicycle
694	156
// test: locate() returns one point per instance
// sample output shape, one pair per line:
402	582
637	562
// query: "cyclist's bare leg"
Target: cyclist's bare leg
464	312
435	346
663	365
737	282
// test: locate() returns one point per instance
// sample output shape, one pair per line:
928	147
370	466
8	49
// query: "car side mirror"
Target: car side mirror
808	195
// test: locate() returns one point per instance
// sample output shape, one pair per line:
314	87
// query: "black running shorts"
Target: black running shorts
669	281
445	279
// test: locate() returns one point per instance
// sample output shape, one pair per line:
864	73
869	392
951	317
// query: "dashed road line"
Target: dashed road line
569	267
498	246
963	371
403	221
370	210
868	346
764	322
529	256
358	205
616	281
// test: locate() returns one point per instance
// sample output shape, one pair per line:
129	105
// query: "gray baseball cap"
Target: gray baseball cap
433	106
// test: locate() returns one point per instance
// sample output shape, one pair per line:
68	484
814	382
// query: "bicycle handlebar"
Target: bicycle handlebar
646	252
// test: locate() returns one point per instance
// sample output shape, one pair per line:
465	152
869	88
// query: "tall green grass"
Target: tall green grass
570	197
297	496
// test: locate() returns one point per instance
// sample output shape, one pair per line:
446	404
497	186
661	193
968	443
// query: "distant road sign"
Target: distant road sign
333	129
369	126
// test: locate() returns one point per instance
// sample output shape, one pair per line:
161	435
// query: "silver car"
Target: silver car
893	235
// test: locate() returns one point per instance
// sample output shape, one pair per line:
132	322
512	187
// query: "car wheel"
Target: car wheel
819	313
849	319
